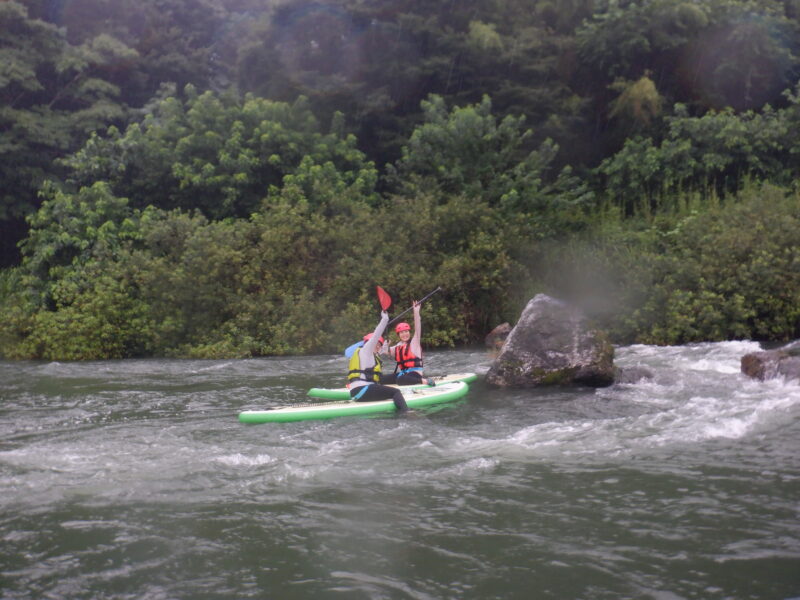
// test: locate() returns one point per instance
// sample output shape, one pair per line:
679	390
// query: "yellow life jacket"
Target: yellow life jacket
356	373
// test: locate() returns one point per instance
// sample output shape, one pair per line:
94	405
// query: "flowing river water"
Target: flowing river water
134	479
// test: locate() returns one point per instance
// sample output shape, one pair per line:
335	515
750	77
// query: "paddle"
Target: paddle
386	302
384	298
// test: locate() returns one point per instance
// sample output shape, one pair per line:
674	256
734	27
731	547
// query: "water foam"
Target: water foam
237	460
697	396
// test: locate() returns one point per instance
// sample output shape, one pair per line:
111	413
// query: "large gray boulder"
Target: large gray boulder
552	344
770	364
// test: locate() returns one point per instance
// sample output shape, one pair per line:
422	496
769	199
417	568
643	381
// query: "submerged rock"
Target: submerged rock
552	344
771	364
633	375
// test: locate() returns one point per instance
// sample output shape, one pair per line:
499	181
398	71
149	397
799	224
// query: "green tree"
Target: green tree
747	57
375	62
216	154
52	94
716	53
467	151
179	42
705	55
71	302
637	105
708	155
66	232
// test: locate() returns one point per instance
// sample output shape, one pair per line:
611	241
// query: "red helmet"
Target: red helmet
369	335
402	327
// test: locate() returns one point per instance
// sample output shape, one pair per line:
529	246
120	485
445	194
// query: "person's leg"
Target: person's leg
376	391
389	378
410	378
414	378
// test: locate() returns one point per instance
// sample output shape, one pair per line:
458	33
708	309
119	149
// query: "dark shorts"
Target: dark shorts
412	378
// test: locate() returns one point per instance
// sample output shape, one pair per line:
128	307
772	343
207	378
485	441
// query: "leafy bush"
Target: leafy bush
728	271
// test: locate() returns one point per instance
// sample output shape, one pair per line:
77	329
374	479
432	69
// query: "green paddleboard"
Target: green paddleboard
415	398
344	394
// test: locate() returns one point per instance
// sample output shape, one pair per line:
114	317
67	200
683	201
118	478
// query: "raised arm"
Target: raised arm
416	346
371	344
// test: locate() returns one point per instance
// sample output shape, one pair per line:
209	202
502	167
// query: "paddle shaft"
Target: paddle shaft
397	318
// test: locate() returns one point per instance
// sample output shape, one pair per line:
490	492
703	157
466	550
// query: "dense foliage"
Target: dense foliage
233	177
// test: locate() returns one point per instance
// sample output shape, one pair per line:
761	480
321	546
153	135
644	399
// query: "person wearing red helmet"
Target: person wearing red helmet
408	354
364	370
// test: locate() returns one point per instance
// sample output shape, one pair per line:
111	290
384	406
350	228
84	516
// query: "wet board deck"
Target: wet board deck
415	398
344	394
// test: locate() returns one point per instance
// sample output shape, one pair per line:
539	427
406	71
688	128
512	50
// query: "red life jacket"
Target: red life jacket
405	358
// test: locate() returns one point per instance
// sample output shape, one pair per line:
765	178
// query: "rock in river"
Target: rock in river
769	364
552	344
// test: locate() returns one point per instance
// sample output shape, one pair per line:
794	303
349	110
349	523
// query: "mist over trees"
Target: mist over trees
233	177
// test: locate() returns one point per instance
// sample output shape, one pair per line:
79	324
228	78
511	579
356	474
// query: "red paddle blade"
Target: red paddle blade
384	298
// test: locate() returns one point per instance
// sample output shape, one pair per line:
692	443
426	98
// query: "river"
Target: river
134	480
